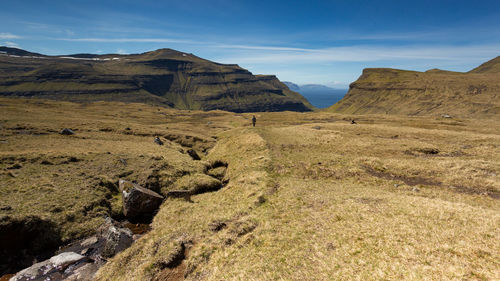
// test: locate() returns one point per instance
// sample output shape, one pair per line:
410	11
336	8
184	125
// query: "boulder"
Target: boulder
158	141
55	267
138	201
115	238
67	132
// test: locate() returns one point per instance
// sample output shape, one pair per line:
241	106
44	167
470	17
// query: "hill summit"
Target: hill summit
164	77
434	92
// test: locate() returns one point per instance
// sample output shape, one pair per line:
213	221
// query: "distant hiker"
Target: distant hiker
254	120
158	141
353	122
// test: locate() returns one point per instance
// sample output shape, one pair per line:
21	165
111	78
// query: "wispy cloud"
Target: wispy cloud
4	35
10	44
366	53
128	40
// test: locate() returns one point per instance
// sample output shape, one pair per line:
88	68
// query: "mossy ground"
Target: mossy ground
310	196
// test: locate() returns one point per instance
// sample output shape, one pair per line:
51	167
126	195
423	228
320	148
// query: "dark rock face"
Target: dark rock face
67	132
163	77
138	201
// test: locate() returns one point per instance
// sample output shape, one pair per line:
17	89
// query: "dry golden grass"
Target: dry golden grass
310	196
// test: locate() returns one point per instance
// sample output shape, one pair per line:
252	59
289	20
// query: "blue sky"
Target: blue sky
325	42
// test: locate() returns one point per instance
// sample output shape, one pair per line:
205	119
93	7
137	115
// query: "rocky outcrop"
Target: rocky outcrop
138	202
82	259
55	268
163	77
434	92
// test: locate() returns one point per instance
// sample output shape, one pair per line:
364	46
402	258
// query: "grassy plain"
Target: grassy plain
309	195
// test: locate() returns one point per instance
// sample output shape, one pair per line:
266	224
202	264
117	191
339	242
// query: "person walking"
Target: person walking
254	120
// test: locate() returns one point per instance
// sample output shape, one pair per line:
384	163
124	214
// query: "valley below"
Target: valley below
300	196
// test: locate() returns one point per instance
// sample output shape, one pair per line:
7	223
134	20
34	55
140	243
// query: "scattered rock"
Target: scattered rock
67	132
415	189
396	185
89	241
63	260
193	154
116	239
138	201
446	116
46	162
158	141
316	128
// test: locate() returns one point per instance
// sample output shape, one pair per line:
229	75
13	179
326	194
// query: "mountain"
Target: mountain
320	96
435	92
163	77
292	86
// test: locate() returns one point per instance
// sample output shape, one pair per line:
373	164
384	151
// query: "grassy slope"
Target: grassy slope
66	179
310	196
314	209
435	92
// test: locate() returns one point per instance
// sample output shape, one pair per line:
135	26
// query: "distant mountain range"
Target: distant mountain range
164	77
435	92
320	96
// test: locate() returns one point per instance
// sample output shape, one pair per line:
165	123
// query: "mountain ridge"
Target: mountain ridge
433	92
163	77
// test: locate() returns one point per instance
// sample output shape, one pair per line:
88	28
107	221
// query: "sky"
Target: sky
306	42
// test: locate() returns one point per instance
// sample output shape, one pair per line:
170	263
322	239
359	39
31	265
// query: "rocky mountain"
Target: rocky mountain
320	96
163	77
435	92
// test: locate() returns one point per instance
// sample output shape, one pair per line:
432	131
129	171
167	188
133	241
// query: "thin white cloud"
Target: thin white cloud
262	48
127	40
4	35
365	53
11	44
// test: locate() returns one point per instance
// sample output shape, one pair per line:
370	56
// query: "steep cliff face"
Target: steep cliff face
434	92
166	77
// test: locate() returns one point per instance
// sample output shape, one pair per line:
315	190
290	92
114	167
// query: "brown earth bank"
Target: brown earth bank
300	194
